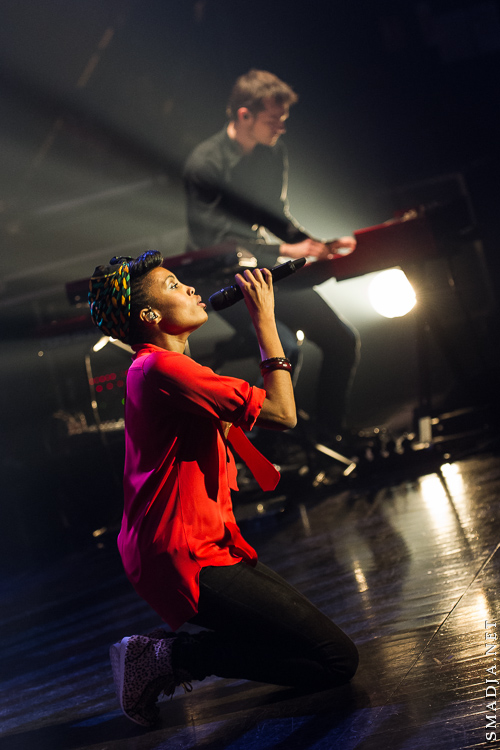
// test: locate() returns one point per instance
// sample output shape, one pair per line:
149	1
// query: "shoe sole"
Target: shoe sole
117	657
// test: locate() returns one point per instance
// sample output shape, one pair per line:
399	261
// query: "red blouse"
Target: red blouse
178	515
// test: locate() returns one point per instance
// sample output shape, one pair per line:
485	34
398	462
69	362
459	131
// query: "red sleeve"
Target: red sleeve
191	387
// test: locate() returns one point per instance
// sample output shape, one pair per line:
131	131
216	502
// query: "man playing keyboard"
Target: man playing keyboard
236	189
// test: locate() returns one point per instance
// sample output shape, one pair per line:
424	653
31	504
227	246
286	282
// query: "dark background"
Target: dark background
100	103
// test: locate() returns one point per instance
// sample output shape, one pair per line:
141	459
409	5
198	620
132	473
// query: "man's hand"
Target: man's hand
347	244
306	248
320	250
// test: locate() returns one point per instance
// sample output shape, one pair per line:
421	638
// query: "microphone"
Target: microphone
231	294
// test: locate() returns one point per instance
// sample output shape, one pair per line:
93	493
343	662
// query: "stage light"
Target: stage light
391	294
100	344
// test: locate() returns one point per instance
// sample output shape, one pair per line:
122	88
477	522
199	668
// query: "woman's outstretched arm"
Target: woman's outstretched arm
278	410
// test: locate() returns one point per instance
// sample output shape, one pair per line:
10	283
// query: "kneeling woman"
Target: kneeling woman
179	541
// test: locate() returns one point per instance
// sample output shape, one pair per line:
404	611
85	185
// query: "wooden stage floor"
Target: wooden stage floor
410	570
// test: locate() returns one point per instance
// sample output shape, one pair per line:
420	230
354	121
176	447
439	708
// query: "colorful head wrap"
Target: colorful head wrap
109	298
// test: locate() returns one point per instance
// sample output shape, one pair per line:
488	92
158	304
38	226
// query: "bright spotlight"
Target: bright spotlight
391	294
100	344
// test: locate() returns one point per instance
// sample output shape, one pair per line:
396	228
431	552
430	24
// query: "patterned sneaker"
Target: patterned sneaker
142	669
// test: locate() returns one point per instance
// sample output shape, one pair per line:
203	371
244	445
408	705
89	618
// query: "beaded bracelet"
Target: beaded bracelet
275	363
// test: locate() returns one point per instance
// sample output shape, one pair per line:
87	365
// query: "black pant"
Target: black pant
339	343
261	628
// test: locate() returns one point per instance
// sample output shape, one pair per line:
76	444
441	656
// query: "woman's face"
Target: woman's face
181	310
